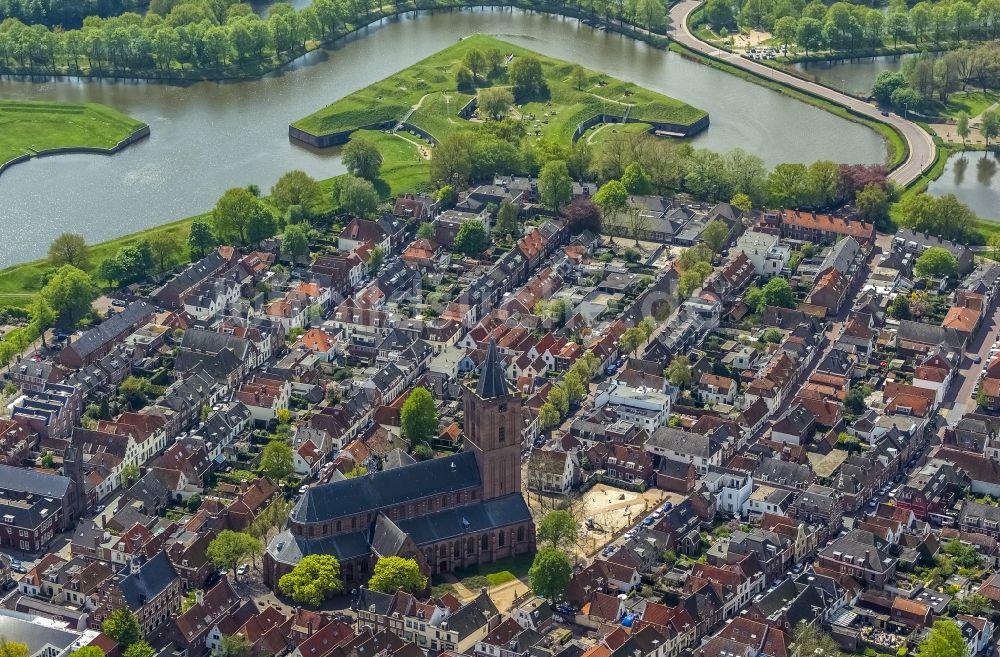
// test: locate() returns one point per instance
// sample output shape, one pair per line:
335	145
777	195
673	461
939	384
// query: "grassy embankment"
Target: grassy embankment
403	169
28	128
432	85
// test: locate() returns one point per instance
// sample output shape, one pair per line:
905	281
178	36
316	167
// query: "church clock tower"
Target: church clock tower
493	429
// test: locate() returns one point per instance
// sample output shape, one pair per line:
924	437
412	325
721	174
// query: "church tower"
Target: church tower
493	429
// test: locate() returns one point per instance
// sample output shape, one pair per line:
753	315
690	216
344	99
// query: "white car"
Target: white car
243	570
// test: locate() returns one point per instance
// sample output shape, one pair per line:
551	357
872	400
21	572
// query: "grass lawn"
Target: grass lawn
495	574
403	170
431	83
29	127
602	133
972	103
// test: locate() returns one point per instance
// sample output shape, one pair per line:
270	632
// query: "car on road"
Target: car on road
884	113
608	551
978	359
648	520
119	303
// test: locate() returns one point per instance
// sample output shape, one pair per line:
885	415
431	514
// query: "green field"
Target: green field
29	127
403	170
432	85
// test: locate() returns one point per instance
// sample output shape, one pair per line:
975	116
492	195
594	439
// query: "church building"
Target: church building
447	513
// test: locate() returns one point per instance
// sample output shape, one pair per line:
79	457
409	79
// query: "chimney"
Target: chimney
134	565
199	597
309	628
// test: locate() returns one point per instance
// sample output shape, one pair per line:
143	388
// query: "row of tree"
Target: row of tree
926	81
195	36
846	27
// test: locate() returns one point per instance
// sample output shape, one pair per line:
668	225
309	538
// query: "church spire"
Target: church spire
492	383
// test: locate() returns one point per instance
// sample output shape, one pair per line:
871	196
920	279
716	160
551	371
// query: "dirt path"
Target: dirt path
424	151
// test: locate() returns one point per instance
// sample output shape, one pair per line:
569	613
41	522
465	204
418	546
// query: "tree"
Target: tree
129	475
558	529
525	73
548	415
276	460
772	335
294	243
312	580
394	573
362	158
579	77
297	188
715	235
229	549
943	216
234	645
122	626
962	126
554	185
989	126
139	649
631	340
418	417
679	372
69	292
581	214
936	262
68	249
426	231
741	202
13	649
809	34
493	102
550	573
886	84
611	198
234	215
471	239
785	29
376	258
944	640
777	292
636	180
163	245
87	651
855	401
200	239
358	196
720	13
475	61
872	203
810	639
507	218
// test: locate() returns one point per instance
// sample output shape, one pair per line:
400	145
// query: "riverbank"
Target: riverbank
404	169
37	129
427	97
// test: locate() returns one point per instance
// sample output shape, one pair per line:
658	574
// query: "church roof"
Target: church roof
387	488
492	382
469	519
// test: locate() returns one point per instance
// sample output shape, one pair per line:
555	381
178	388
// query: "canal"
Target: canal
207	137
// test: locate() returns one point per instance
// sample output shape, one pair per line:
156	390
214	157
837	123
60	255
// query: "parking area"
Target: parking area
607	512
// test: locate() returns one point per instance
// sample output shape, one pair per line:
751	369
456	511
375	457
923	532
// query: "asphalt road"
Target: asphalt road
959	399
922	150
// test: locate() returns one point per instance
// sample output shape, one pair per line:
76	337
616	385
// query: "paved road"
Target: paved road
921	146
959	399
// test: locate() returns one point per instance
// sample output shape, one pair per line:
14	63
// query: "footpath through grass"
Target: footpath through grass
403	169
28	127
432	84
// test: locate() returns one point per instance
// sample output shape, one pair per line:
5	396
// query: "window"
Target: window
502	434
520	534
484	542
500	539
